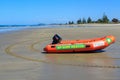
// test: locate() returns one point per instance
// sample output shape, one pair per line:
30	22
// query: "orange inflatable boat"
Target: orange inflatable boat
80	45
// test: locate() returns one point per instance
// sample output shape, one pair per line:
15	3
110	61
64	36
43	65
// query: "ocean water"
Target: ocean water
10	28
4	29
7	29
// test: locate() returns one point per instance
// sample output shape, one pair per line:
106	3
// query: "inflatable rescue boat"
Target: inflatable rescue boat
80	45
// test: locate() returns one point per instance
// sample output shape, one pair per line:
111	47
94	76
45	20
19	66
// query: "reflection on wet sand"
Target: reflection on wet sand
79	59
24	60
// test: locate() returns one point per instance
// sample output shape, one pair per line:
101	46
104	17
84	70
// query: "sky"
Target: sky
55	11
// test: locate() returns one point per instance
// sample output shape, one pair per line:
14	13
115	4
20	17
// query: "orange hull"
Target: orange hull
80	45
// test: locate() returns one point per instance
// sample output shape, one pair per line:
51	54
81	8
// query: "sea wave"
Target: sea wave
7	28
4	29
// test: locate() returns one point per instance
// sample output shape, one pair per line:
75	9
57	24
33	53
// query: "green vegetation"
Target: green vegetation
114	20
71	22
79	21
103	20
89	20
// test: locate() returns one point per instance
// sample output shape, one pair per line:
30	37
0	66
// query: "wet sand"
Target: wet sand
22	57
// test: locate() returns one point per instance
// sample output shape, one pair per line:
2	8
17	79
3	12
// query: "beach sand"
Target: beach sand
22	56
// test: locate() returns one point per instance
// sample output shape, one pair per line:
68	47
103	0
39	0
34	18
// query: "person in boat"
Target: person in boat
56	39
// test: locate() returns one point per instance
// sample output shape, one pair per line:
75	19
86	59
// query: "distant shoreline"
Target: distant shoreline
9	28
91	25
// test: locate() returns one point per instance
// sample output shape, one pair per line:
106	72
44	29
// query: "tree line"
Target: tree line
104	20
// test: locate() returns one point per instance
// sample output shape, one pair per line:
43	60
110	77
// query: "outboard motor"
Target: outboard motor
56	39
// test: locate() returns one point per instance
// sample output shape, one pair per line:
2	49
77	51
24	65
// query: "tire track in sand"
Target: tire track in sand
9	51
10	48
